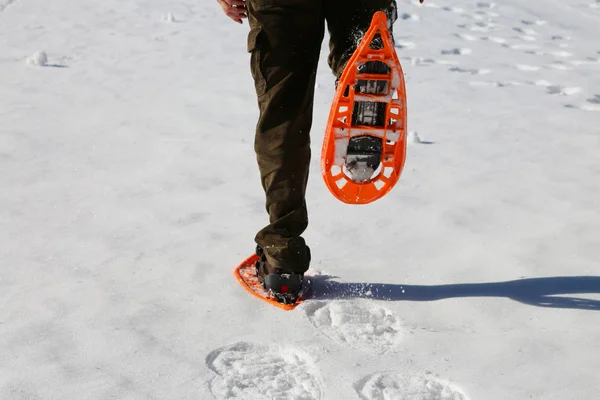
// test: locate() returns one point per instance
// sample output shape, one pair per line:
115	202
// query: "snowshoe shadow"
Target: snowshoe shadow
541	292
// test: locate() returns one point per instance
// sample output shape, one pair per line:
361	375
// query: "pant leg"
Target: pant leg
347	22
285	40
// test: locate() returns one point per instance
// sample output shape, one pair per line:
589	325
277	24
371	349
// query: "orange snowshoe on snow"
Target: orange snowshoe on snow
246	274
364	148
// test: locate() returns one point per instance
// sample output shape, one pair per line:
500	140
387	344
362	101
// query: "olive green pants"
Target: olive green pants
285	41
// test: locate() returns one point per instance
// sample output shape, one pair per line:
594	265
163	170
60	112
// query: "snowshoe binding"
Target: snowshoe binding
284	287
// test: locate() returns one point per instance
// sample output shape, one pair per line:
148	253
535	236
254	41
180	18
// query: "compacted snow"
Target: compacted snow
129	192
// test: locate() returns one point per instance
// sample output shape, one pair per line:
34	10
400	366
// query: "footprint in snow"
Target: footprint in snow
485	5
472	71
559	66
587	61
390	386
456	10
369	328
591	104
527	68
467	37
479	14
535	52
536	22
247	371
556	89
540	82
525	47
563	90
479	26
561	53
430	4
527	38
525	31
499	84
457	51
409	17
495	39
422	61
401	44
425	61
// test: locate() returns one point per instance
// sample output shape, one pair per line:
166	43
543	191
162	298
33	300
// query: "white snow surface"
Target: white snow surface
129	192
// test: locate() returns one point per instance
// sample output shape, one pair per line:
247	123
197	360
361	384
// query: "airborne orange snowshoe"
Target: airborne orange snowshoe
364	148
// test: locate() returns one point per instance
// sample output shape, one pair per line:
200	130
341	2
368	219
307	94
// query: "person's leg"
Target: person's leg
285	40
347	23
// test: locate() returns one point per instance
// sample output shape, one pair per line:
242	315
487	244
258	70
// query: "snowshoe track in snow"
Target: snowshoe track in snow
591	104
543	43
390	386
247	371
4	4
364	327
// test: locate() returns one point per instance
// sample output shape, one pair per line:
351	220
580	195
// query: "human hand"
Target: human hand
234	9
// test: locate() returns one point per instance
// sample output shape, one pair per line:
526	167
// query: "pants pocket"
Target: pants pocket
254	48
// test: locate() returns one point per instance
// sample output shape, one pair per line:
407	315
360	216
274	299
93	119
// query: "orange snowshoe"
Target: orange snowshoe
246	274
364	148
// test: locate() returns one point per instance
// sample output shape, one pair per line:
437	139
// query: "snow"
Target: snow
129	192
413	137
169	18
39	59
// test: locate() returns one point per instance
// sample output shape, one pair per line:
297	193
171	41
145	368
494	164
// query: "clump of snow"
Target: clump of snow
413	137
169	18
40	59
341	148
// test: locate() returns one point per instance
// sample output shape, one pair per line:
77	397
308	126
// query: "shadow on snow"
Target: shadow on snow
541	292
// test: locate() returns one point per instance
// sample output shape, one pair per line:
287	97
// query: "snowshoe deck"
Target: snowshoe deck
246	276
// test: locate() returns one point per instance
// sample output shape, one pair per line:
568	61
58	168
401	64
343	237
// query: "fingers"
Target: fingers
234	9
232	3
236	14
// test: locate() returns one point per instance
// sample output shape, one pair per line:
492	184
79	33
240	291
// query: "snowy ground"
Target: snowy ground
129	192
